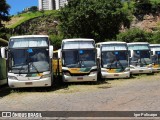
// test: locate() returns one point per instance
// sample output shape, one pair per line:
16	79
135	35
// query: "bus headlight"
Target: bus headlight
132	67
66	73
149	66
104	70
12	77
127	70
45	76
93	72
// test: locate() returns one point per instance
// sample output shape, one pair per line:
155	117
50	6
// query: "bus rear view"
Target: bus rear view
140	57
29	61
79	60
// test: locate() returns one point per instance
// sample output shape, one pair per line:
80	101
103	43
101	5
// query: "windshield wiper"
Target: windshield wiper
31	63
120	64
144	61
81	63
111	64
21	68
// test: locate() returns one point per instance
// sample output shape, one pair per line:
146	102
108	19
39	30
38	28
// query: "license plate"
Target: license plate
28	83
140	70
80	78
116	74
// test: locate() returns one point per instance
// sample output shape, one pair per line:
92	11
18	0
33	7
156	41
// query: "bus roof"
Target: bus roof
136	43
111	42
77	39
28	36
154	45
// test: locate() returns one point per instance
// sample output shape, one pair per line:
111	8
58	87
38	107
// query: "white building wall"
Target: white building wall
62	3
50	5
57	4
46	4
40	4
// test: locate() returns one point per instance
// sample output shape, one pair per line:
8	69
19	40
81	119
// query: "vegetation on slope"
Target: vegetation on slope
95	20
21	18
3	42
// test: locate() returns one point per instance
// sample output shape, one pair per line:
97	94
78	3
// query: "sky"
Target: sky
19	5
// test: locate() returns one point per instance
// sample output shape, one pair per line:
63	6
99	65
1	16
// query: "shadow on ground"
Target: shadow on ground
57	85
4	91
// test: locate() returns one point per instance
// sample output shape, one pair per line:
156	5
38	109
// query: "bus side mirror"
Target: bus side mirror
51	51
59	54
151	52
98	52
4	53
129	53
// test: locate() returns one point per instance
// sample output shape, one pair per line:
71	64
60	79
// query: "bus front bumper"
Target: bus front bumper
141	70
156	69
115	75
45	82
92	77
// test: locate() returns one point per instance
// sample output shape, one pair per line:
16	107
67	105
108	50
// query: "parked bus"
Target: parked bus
155	48
3	71
78	60
3	76
113	59
29	60
140	57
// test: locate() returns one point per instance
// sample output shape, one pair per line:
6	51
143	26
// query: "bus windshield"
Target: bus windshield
156	57
114	59
141	57
79	58
31	60
138	47
28	42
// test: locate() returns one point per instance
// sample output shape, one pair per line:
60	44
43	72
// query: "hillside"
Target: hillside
46	22
33	23
3	42
149	23
21	18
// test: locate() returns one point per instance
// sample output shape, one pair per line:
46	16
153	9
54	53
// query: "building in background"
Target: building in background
60	3
46	4
51	4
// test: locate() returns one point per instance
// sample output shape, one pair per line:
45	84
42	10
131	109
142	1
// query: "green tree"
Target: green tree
97	19
135	35
4	7
33	9
156	38
56	41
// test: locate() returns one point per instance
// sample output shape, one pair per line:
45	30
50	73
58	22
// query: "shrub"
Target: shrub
134	35
56	41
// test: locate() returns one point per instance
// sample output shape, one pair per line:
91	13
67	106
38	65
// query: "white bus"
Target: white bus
113	59
29	61
155	48
78	58
140	57
3	76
